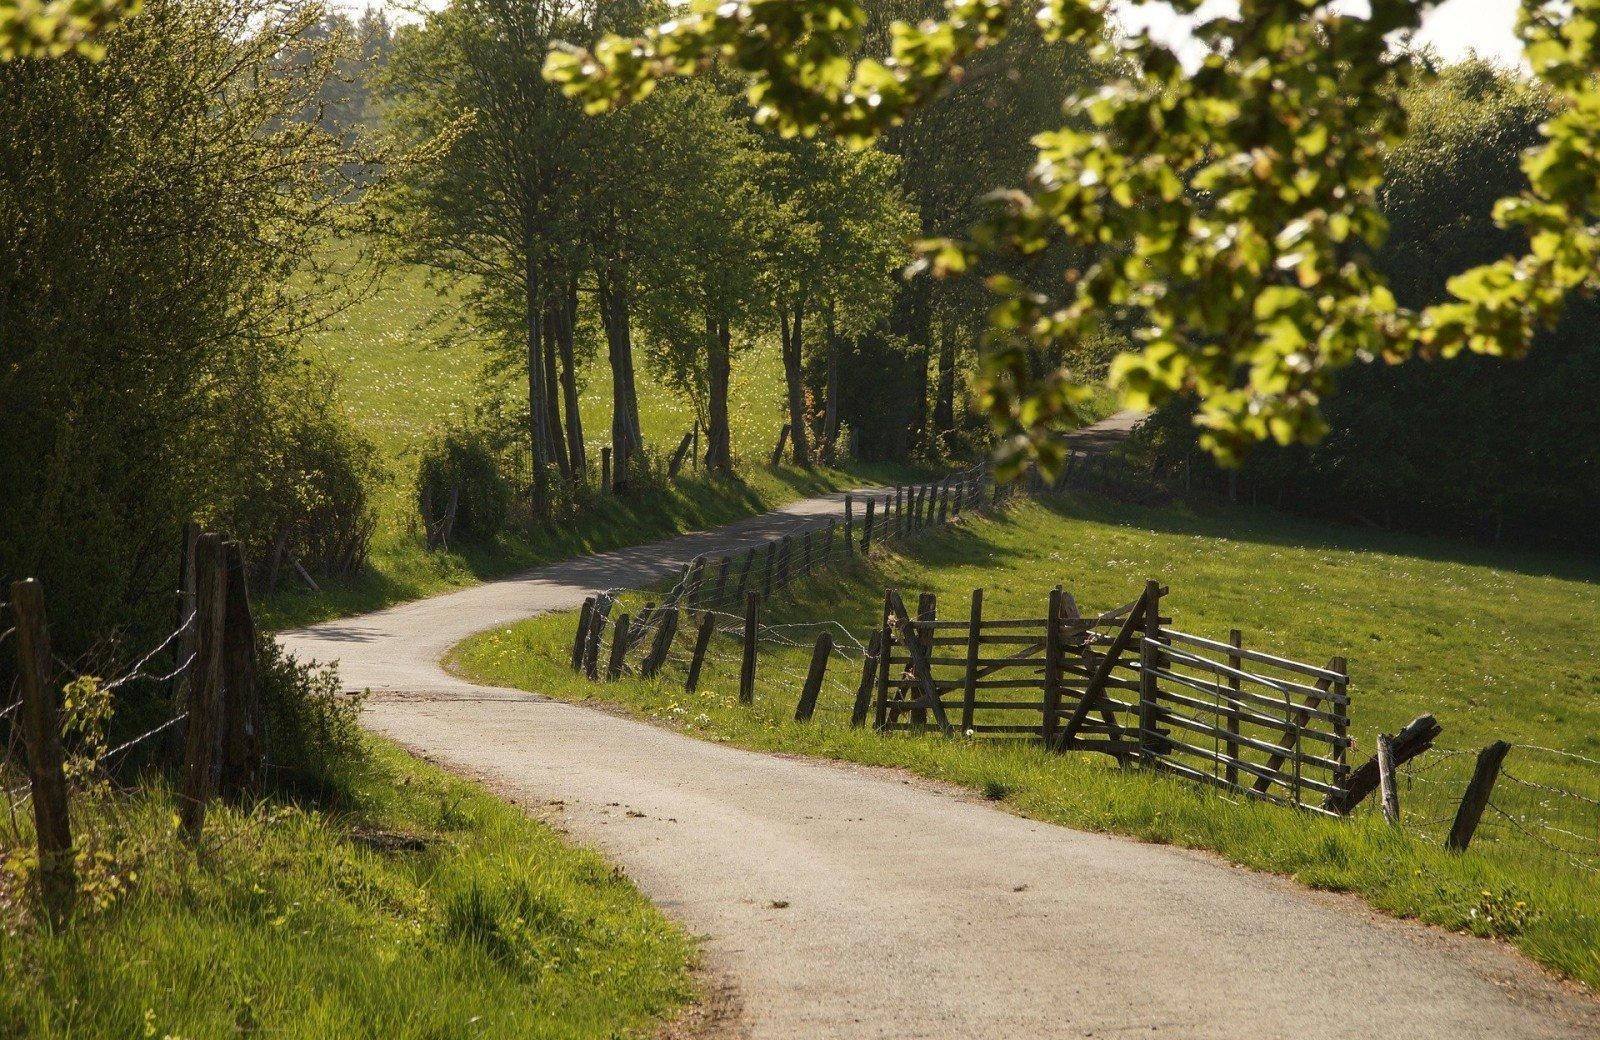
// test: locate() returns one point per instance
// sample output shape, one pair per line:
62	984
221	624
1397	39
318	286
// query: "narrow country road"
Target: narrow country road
837	901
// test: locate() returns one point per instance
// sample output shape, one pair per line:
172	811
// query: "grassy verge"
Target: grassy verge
1495	644
422	908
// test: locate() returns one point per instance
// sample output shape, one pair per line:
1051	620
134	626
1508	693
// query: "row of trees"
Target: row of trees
677	230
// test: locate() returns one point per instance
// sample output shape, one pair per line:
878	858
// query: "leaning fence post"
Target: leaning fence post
1149	661
1476	799
747	663
869	672
702	640
582	635
1386	784
41	731
663	644
849	522
619	646
866	531
204	685
813	686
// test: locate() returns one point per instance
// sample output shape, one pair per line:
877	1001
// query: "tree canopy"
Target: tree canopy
1227	213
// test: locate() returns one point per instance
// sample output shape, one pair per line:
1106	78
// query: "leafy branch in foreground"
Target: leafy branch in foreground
52	28
1227	214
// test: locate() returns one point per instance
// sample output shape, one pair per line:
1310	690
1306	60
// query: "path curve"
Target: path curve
908	911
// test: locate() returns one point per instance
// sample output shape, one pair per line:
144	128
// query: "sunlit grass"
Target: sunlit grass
418	907
1496	644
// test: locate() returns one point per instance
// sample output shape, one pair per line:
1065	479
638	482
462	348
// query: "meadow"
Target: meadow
1493	643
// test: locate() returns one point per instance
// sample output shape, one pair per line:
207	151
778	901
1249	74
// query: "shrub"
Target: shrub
309	725
464	461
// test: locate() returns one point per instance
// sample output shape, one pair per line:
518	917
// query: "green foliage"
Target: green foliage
1227	212
310	726
464	462
52	28
1523	437
166	243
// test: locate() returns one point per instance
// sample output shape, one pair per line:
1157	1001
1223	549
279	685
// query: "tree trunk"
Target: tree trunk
626	438
552	381
830	415
567	313
719	369
793	336
944	409
538	426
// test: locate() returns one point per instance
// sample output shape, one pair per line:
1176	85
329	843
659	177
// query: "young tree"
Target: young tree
841	232
1244	191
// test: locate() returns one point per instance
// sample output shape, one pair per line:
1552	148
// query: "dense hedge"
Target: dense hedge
1482	447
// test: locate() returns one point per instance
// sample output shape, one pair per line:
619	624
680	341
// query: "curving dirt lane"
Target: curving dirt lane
837	901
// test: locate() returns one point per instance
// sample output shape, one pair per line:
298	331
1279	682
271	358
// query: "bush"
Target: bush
466	462
309	726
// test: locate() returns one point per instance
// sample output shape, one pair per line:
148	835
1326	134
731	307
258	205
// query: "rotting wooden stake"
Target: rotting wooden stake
702	640
1386	784
814	676
747	664
41	731
1476	799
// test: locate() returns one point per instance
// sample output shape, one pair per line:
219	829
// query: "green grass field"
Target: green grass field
1498	645
402	386
421	908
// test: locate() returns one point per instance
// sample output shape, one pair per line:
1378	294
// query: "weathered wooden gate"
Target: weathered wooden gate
1123	682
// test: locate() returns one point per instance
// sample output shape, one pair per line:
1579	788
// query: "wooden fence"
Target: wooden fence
1123	682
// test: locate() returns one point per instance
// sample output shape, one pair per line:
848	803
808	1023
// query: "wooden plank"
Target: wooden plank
1254	655
927	610
1321	690
930	693
814	676
881	715
1244	696
41	733
1052	666
1484	773
1193	725
1234	716
1150	647
974	630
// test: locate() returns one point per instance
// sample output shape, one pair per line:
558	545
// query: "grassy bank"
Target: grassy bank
421	907
1495	644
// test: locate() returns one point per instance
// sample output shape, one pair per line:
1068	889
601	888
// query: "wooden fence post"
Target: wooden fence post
747	663
1414	738
944	502
813	686
678	456
619	647
605	470
1149	661
242	758
783	438
663	643
927	610
1476	799
766	569
581	637
866	531
1235	640
702	640
880	716
1386	784
899	511
1052	668
721	592
744	573
597	627
694	581
849	522
185	647
200	750
974	643
869	671
41	732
